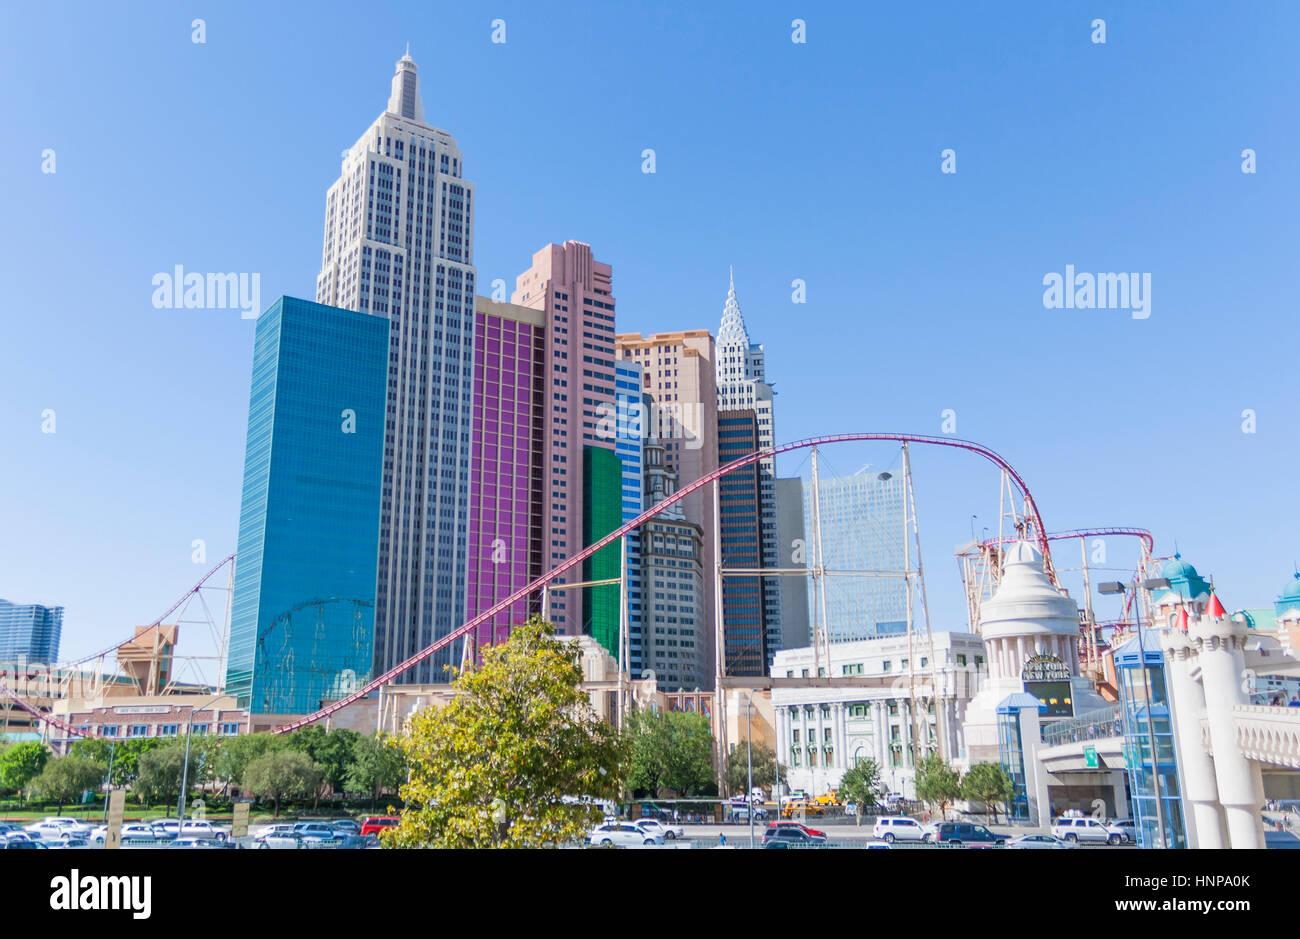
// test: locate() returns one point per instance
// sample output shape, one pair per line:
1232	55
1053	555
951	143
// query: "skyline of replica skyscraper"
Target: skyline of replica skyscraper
750	522
399	244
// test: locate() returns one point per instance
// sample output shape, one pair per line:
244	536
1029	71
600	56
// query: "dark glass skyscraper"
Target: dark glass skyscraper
302	621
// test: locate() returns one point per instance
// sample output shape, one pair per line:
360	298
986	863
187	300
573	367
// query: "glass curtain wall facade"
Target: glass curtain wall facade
602	512
302	620
1144	702
739	507
630	415
506	483
861	529
30	632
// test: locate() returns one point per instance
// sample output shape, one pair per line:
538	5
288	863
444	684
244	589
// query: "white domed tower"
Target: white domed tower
1030	630
1027	619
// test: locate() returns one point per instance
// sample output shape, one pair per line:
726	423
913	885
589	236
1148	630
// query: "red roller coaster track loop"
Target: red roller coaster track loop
1142	533
1039	530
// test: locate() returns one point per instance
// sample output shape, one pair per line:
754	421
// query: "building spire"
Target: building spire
733	324
405	98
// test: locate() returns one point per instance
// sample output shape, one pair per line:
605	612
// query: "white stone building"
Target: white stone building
823	730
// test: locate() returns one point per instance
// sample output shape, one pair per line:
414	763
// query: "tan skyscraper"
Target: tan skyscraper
679	375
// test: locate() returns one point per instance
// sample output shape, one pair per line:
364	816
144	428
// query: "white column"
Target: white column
1188	706
843	745
880	730
1220	643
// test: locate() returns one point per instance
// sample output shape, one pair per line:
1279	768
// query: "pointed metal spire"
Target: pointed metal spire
733	324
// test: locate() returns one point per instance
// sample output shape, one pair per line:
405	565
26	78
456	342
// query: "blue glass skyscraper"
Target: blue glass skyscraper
302	622
30	632
629	421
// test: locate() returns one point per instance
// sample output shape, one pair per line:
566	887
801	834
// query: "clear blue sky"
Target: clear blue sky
818	161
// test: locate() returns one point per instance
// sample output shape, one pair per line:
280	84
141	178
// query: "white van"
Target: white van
1084	829
893	828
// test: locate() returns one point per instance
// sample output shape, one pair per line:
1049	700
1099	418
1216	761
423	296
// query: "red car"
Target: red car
374	824
806	830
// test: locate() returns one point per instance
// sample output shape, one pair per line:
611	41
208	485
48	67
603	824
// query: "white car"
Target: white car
1084	829
279	839
1126	828
656	827
275	829
196	828
624	834
1039	842
52	828
893	828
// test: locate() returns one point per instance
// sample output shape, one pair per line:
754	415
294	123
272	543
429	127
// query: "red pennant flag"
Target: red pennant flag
1182	618
1215	609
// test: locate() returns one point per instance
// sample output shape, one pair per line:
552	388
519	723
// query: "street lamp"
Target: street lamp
749	745
1115	587
185	766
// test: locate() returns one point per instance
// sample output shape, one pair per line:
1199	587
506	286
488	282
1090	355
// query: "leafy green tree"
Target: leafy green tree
987	783
159	777
283	774
507	760
65	778
125	755
236	754
765	767
331	750
937	783
861	785
670	750
22	763
378	765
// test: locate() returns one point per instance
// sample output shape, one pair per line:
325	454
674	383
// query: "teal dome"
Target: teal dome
1178	569
1292	591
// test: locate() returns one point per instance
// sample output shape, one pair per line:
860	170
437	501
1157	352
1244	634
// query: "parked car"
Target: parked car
164	828
197	828
624	833
772	826
53	827
1039	842
741	811
374	824
19	844
1084	829
1126	828
314	831
965	833
893	828
802	806
349	825
669	831
789	836
70	842
138	832
279	839
196	843
278	828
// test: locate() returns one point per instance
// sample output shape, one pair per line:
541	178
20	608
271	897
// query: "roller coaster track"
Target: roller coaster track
1040	533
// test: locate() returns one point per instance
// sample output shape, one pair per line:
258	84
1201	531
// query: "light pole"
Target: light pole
749	756
185	766
112	749
1117	587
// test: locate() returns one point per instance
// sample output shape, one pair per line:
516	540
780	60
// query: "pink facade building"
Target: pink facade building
506	467
575	293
